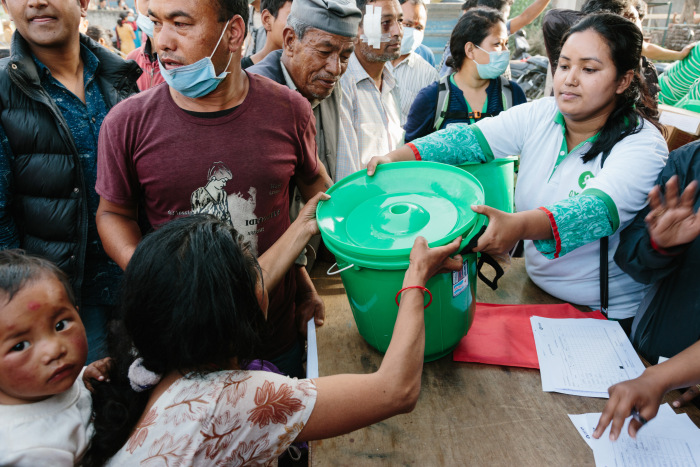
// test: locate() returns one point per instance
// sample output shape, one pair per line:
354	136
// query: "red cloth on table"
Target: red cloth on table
502	334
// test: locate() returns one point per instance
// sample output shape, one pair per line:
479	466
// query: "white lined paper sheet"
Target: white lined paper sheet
666	440
583	357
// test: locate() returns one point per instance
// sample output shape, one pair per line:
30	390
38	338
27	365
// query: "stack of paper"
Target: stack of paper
583	357
666	440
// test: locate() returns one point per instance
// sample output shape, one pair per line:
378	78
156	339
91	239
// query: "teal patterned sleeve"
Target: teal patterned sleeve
456	144
575	221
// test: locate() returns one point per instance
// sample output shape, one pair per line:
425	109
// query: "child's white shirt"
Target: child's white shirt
52	432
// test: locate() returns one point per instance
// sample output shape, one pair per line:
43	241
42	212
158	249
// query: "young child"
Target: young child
45	407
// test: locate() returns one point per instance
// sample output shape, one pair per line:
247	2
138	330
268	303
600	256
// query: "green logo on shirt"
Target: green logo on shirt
583	179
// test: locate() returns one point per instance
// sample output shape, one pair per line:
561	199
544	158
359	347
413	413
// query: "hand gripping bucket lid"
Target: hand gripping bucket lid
370	224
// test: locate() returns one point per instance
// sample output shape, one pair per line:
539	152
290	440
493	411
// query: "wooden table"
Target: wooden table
467	414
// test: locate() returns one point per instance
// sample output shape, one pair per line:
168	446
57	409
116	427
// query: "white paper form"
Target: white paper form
583	357
666	440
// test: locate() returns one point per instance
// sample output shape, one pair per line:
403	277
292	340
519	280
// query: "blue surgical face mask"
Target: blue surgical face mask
197	79
412	38
498	62
145	24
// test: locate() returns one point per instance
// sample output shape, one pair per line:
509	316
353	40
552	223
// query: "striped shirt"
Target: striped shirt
412	74
370	119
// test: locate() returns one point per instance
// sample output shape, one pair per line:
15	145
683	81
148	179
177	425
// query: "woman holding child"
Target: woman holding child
176	391
588	158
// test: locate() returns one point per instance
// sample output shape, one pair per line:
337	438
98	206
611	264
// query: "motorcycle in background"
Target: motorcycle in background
522	46
530	72
534	77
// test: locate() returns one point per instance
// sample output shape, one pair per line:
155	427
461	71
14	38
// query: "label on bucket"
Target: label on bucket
460	280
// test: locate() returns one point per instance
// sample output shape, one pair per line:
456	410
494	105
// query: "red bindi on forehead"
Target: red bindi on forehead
33	305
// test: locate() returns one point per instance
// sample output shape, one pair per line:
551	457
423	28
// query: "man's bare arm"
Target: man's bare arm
119	230
320	184
528	15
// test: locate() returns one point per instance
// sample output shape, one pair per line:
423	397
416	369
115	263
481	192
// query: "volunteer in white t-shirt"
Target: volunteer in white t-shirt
565	201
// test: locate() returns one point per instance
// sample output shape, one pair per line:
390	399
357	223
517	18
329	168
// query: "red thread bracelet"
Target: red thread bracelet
659	249
414	287
416	154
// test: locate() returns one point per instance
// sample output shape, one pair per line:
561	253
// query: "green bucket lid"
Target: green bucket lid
373	221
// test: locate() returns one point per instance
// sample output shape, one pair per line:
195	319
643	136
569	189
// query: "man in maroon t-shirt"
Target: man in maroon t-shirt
224	143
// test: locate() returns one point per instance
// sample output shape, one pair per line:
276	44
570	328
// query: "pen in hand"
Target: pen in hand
637	416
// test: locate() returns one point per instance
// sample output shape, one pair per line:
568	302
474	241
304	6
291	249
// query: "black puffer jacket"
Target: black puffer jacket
48	196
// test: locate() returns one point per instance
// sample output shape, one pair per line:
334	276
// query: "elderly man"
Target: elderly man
370	112
412	71
55	90
206	143
318	42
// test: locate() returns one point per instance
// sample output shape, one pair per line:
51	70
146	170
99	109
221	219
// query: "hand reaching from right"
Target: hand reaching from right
673	221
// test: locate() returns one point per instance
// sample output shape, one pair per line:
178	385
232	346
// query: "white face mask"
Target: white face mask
412	38
196	79
145	24
497	65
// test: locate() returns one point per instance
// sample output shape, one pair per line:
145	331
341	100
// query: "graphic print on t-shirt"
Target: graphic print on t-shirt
213	199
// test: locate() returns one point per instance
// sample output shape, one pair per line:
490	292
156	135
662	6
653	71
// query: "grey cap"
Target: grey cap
341	17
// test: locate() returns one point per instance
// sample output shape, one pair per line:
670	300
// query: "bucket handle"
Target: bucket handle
491	261
479	228
339	270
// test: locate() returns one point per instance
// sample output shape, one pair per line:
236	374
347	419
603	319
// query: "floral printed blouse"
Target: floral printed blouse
226	418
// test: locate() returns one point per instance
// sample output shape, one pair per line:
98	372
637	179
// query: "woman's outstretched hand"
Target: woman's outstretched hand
506	229
374	162
425	262
404	153
502	233
307	215
673	221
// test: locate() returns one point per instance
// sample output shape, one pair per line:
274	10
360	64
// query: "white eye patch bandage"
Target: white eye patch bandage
372	25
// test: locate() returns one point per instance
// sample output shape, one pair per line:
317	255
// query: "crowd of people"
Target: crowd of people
166	208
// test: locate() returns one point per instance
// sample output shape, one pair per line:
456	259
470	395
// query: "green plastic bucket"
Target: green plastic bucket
371	293
370	224
498	180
